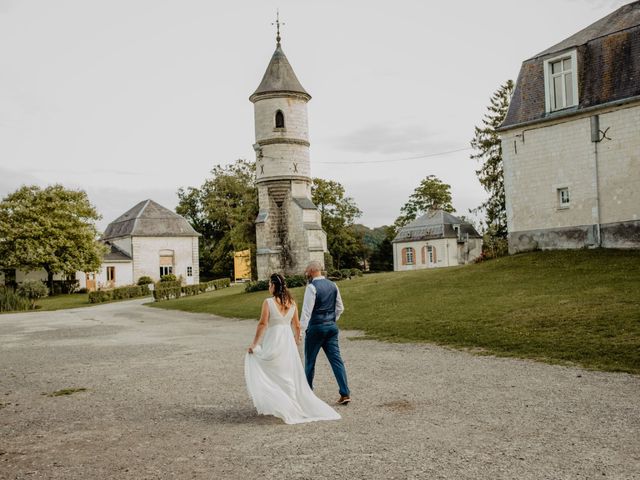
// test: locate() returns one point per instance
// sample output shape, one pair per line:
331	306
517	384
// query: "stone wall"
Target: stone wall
540	159
146	256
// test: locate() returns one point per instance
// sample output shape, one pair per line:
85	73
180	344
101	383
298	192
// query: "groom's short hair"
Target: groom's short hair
314	266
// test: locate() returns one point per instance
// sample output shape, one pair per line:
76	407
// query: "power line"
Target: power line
425	155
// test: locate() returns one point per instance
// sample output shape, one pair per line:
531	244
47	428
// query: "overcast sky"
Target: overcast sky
131	99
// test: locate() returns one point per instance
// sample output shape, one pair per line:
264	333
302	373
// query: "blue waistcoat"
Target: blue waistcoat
324	310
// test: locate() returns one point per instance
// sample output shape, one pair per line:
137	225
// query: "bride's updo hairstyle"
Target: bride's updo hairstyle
280	290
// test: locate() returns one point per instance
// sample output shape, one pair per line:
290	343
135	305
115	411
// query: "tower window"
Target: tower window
279	119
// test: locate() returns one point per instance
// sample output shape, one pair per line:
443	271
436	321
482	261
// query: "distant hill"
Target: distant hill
373	237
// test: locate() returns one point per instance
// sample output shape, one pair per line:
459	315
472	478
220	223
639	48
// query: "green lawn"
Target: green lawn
579	306
59	302
65	301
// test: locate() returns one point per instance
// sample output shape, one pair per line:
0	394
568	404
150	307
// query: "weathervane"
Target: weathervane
277	24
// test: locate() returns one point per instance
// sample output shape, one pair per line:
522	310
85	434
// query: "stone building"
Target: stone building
571	141
436	239
288	227
147	240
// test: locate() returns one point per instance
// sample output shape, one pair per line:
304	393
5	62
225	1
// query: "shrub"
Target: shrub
346	273
166	293
169	277
257	286
335	275
168	283
82	290
296	281
120	293
33	290
292	282
64	286
221	283
10	301
356	272
145	280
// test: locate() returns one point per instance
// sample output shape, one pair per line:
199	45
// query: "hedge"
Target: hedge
170	290
292	282
120	293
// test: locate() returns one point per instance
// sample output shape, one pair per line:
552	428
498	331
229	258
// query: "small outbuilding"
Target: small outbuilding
436	239
147	240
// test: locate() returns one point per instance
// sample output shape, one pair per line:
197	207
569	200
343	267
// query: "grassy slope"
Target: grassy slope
565	306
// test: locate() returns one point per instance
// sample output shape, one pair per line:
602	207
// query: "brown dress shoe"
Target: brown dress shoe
344	399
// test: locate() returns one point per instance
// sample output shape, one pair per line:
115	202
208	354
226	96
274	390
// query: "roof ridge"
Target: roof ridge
135	220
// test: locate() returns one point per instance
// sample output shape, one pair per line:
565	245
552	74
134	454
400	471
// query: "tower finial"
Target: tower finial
277	24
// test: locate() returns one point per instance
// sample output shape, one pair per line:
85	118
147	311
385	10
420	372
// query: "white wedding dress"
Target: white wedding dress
275	377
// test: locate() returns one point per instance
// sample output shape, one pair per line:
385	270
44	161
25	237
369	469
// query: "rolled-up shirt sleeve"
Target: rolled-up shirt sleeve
307	306
339	304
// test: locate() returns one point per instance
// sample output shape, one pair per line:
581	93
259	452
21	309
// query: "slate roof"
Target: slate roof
608	54
433	225
116	254
279	78
149	219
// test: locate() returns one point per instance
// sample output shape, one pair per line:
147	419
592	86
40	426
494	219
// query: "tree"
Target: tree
223	210
51	229
382	255
431	194
338	213
486	143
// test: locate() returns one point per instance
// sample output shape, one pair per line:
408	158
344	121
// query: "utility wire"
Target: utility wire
367	162
425	155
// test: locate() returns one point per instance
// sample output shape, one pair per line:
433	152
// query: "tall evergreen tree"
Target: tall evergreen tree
488	151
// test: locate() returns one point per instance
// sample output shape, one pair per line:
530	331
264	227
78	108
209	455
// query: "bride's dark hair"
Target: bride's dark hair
280	290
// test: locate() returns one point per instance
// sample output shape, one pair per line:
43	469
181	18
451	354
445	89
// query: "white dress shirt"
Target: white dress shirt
310	301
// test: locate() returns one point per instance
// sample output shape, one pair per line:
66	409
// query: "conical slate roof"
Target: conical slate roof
279	77
149	219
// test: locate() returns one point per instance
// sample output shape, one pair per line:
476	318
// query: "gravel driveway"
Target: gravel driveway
166	398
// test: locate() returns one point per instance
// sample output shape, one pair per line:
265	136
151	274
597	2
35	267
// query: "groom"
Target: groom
321	309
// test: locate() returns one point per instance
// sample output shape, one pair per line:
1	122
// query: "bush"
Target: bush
10	301
145	280
292	282
173	289
346	273
33	290
166	293
120	293
170	277
220	283
335	275
64	286
356	272
296	281
258	286
82	290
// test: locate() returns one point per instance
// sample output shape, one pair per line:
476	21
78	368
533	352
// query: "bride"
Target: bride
272	367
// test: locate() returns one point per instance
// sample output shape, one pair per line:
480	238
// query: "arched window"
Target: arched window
408	256
279	119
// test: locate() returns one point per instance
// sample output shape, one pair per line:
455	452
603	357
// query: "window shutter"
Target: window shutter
434	254
404	256
423	254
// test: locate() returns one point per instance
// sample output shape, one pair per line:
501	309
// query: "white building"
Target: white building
147	240
436	239
571	141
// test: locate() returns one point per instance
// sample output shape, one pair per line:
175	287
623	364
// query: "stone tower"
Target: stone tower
288	229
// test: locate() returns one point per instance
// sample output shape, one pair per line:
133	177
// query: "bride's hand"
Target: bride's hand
250	350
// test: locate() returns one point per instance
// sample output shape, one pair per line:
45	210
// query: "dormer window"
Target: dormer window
561	82
279	119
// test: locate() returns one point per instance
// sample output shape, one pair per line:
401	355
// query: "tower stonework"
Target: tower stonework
288	229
